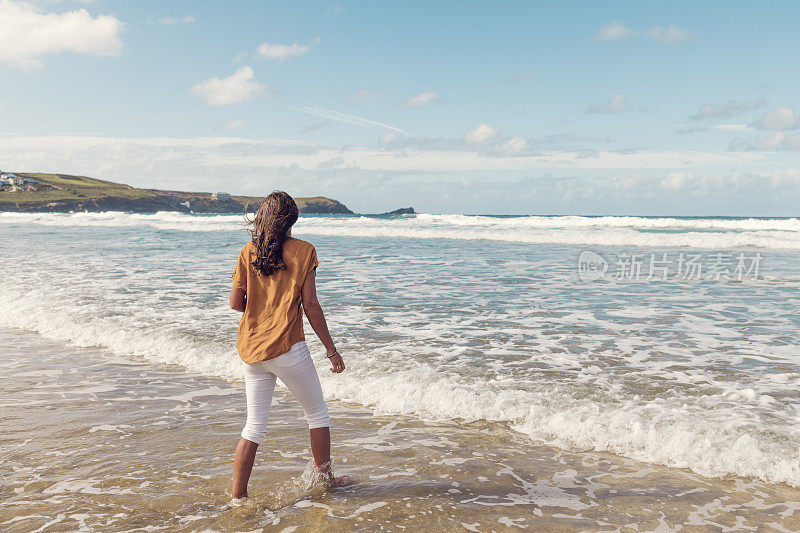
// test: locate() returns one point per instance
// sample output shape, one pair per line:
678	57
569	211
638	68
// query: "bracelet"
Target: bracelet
335	352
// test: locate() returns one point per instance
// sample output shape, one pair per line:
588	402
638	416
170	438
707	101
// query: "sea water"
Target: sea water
468	319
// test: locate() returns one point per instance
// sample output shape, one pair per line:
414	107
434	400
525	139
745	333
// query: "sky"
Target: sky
623	108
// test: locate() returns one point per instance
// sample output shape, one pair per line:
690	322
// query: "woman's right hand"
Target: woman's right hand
337	363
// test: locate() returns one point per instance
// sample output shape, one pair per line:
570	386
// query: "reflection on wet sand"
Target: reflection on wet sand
95	442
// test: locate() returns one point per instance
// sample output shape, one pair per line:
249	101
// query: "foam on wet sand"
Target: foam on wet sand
154	451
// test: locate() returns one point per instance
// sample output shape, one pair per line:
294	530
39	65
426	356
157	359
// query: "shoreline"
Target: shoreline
96	436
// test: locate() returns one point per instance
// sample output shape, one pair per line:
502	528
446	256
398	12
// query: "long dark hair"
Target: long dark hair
275	216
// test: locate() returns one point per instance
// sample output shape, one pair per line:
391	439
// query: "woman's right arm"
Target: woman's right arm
238	299
316	318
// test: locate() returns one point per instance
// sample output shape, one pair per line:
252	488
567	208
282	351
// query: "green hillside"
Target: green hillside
53	187
64	193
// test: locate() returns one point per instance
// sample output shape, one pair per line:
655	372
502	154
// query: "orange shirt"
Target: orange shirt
272	320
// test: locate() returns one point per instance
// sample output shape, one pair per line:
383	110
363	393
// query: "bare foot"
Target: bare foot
341	481
238	502
325	475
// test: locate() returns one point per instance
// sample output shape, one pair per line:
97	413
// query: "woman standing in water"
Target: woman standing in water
274	276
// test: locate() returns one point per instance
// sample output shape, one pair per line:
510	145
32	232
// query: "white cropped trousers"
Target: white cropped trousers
297	372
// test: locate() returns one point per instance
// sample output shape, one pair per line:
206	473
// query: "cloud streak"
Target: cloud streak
618	31
420	100
282	52
172	21
362	95
730	108
338	116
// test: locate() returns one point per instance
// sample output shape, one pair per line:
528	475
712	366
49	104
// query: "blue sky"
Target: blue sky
679	108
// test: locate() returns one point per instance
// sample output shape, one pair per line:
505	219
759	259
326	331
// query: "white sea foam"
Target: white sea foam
712	435
70	323
701	376
675	432
575	230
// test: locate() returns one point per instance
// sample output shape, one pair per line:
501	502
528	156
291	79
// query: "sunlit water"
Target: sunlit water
462	320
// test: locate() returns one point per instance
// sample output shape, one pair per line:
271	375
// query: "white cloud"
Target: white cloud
738	145
480	134
388	136
728	109
669	35
618	31
27	34
360	96
232	124
70	153
172	21
388	173
731	127
282	52
770	142
514	145
616	104
419	100
238	87
778	141
344	117
714	183
781	119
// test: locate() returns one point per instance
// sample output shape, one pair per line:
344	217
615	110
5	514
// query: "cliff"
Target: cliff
64	193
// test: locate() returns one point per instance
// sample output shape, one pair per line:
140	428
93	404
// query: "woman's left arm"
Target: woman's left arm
238	299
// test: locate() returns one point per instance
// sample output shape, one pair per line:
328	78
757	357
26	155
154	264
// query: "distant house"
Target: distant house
221	196
7	178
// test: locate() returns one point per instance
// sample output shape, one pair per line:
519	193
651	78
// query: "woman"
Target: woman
274	276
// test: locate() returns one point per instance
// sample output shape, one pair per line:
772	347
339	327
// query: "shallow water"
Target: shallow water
95	442
464	319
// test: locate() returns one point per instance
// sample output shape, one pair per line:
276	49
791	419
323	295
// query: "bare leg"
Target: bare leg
321	450
243	465
321	445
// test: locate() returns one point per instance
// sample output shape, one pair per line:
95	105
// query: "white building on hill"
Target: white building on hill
6	179
9	179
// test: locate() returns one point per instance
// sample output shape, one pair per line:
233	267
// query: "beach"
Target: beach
490	386
100	443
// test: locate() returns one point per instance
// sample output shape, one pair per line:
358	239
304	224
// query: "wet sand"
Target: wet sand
91	441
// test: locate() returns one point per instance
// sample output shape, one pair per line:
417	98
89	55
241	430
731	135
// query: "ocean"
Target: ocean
666	343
